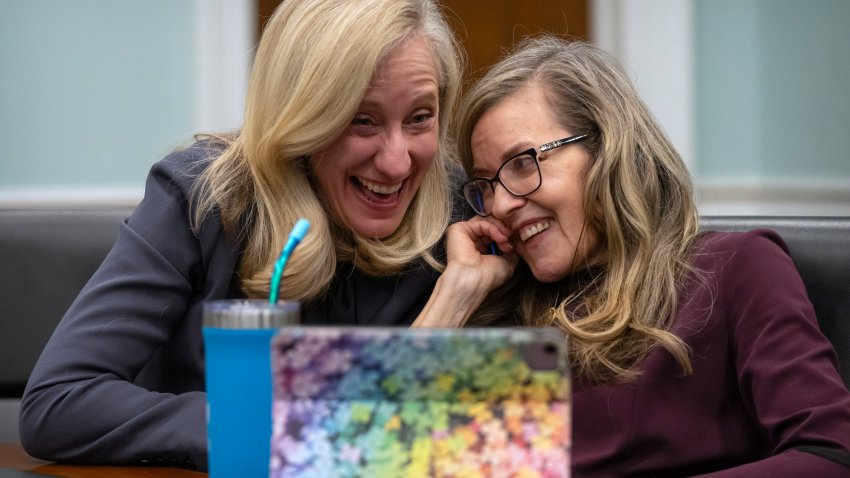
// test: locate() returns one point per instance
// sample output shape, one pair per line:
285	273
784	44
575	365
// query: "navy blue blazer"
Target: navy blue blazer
121	380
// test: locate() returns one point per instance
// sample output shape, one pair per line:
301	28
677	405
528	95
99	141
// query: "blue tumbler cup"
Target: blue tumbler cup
237	344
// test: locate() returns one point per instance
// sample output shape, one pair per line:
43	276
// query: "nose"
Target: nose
505	203
393	157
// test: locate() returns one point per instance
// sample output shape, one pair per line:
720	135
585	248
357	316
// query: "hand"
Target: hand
467	245
470	274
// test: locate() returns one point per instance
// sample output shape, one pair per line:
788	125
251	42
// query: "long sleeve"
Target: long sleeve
785	368
121	378
764	399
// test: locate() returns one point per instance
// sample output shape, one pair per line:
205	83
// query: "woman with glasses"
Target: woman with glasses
690	353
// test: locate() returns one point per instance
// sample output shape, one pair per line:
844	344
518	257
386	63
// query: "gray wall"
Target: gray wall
772	90
92	92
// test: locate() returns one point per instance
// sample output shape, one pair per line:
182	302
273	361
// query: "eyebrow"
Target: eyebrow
425	94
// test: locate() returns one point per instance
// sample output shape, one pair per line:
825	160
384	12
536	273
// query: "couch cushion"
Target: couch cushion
46	257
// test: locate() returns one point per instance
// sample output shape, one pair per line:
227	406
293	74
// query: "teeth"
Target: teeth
530	231
379	188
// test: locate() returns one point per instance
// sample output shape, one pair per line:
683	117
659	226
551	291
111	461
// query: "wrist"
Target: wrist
457	294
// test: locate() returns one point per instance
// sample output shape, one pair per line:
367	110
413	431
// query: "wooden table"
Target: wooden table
12	456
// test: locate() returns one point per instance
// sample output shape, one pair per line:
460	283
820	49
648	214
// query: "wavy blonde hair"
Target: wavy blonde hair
638	199
313	65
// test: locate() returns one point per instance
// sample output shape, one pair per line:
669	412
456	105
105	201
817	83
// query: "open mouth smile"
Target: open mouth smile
375	192
532	230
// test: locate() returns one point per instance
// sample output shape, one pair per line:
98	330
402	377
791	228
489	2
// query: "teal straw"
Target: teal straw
298	233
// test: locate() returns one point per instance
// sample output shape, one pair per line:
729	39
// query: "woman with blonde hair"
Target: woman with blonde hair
690	353
346	124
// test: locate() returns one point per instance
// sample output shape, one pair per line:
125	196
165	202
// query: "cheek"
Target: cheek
352	151
333	163
344	153
423	149
329	170
571	191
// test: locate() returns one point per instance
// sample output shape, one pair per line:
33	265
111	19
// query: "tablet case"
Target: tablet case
394	402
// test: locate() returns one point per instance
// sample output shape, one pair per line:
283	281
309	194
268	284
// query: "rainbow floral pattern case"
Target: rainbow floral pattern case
398	402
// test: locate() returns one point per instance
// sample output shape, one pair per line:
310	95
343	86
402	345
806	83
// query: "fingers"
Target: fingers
471	241
468	260
487	232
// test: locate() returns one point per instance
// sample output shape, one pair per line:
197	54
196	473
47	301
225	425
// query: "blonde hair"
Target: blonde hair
638	199
313	65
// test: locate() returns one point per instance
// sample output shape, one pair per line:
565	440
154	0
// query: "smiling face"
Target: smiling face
370	174
546	226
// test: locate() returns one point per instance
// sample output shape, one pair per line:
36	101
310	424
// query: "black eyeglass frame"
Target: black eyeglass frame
533	152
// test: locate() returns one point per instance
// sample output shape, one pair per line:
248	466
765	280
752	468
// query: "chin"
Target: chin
548	275
376	229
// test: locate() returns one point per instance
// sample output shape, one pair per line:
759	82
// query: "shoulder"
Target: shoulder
745	268
166	207
750	274
743	249
183	165
714	241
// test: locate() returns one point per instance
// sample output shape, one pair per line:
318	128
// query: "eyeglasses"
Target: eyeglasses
519	175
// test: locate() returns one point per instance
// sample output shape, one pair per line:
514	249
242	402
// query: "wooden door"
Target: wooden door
487	28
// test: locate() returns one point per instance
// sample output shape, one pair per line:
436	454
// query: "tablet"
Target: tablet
393	402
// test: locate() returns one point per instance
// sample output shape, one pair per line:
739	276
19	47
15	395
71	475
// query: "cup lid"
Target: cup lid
251	314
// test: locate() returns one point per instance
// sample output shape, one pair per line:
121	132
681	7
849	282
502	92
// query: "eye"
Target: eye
361	120
421	117
521	165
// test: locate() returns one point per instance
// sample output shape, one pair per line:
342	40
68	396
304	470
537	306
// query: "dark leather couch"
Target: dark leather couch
47	255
